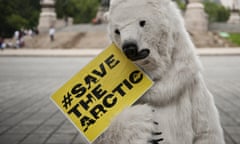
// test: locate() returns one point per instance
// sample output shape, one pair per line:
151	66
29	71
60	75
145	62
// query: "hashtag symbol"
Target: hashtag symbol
67	100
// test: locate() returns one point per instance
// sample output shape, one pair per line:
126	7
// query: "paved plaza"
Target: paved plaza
27	115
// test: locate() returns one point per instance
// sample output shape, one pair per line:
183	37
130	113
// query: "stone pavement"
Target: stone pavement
27	115
94	52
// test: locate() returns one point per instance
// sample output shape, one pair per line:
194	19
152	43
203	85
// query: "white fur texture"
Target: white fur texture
179	101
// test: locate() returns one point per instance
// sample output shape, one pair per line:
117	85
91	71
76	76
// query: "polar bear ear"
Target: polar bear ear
106	17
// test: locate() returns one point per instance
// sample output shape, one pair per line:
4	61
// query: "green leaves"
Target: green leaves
17	14
82	11
16	21
216	12
235	38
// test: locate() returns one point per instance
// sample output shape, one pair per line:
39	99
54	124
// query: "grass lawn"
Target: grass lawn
235	38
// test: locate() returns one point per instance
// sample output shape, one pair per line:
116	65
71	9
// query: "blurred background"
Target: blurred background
76	23
45	42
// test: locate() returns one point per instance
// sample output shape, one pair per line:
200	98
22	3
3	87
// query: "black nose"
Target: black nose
130	49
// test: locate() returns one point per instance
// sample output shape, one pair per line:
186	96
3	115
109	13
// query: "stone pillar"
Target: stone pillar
195	17
48	15
235	17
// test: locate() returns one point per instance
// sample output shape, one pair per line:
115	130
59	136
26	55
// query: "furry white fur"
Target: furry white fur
179	104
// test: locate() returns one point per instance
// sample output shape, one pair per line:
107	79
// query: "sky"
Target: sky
229	3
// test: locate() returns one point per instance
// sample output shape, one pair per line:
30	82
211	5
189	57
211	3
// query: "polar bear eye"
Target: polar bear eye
142	23
117	32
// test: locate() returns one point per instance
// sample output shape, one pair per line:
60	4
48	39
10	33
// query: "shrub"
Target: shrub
16	14
216	12
16	21
181	5
235	38
82	11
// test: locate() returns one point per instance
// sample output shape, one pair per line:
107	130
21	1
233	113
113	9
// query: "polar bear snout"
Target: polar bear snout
130	49
132	52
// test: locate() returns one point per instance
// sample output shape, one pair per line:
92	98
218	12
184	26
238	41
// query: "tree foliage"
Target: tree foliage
216	12
82	11
17	14
181	4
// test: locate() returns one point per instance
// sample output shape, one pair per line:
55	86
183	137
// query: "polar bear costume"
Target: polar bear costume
178	109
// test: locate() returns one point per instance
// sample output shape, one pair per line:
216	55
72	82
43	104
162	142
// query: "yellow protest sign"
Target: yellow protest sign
100	91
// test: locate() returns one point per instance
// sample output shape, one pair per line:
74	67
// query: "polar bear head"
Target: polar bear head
148	32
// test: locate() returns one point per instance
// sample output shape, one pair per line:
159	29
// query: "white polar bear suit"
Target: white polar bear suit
152	34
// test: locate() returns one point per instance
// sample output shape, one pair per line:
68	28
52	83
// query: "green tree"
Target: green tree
181	5
16	14
216	12
82	11
61	7
16	21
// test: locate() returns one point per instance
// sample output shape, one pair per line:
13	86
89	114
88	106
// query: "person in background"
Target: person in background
1	41
21	39
16	36
52	33
2	44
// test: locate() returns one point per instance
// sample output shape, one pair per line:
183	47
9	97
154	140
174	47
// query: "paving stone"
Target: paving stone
60	139
234	132
67	128
35	139
228	139
21	129
57	119
80	139
27	115
226	120
5	115
16	119
37	118
45	129
3	128
11	138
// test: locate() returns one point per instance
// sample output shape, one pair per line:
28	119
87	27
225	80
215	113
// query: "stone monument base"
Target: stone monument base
48	15
195	18
234	18
46	21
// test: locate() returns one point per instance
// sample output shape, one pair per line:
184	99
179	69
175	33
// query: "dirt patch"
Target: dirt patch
62	40
210	39
74	41
94	40
68	40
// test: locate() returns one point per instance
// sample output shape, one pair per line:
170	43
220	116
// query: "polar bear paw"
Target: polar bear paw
135	125
156	136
